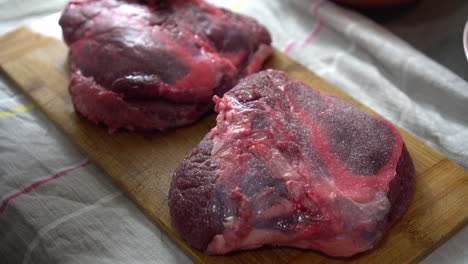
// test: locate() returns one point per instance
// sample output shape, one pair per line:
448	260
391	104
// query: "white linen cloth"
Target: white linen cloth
57	207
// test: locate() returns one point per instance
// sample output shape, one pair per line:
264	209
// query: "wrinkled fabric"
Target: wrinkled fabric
74	214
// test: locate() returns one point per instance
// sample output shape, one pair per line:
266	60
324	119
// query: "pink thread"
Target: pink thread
318	27
290	46
39	183
312	35
317	7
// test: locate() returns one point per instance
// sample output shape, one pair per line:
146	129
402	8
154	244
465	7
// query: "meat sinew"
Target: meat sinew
288	165
156	65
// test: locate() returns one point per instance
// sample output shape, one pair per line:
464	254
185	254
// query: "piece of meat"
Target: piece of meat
291	166
156	65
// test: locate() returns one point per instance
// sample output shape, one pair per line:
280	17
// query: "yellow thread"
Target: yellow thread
15	110
238	6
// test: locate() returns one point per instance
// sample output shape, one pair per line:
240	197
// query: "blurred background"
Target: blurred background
432	26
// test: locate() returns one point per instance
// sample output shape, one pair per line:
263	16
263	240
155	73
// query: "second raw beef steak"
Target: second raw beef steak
288	165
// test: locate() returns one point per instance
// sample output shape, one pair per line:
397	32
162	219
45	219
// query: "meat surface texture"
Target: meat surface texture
291	166
156	64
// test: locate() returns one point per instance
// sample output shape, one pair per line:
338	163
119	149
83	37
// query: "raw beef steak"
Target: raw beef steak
156	64
288	165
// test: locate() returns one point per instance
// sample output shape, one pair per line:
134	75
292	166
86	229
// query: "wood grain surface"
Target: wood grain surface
141	164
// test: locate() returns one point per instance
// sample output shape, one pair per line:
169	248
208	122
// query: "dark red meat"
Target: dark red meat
288	165
156	65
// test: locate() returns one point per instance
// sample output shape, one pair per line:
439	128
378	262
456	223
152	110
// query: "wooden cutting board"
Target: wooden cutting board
141	164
